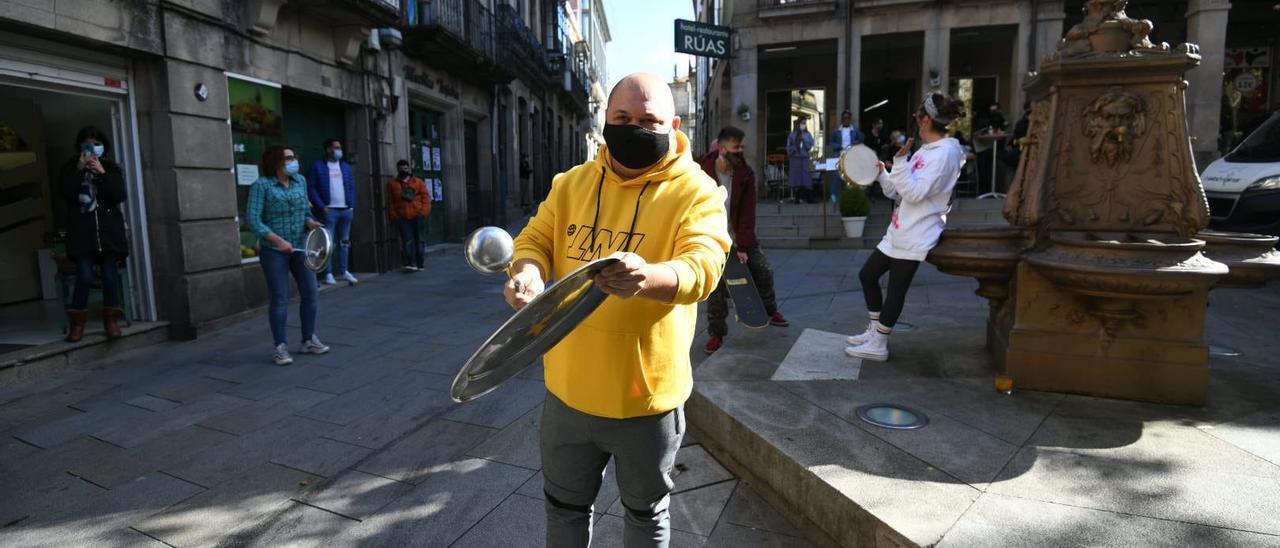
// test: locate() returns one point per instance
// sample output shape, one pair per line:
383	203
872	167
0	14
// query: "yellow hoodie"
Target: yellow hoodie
630	358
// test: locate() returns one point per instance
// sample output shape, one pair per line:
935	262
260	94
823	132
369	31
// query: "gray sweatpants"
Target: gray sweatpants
575	450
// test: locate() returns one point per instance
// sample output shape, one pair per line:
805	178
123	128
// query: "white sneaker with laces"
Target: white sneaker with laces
862	337
350	278
314	346
328	279
281	355
875	349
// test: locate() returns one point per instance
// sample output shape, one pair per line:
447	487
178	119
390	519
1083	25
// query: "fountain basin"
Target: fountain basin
1252	258
1125	265
988	253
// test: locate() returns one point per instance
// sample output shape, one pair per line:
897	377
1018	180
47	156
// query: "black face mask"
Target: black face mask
635	147
404	174
734	158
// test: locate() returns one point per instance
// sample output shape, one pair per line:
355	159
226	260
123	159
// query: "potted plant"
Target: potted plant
744	112
854	207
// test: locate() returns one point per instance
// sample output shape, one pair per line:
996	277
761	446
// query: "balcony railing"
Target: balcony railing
520	45
458	35
785	8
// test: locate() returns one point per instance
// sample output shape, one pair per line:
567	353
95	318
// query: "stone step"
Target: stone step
778	231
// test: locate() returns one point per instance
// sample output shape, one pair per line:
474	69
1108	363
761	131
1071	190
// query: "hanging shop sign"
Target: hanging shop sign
702	39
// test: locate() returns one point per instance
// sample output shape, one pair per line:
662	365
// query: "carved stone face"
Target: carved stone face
1113	121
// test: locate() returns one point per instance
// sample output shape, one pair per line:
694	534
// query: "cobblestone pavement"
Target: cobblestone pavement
207	443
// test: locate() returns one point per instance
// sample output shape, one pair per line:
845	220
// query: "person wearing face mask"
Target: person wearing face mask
332	189
922	183
618	382
93	188
726	164
409	203
799	145
279	212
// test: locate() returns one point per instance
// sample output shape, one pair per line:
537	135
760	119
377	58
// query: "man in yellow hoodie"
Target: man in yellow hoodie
617	384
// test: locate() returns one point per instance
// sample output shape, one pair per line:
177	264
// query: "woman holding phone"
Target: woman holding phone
279	212
93	189
922	184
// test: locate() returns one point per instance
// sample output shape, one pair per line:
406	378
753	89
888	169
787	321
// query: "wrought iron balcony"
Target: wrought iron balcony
456	35
769	9
520	48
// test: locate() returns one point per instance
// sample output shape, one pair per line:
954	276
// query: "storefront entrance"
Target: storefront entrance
425	153
41	110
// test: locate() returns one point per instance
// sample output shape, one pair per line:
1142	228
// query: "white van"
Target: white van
1243	187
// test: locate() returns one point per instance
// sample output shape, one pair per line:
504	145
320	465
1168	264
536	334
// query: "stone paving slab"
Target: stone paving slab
261	413
111	469
322	457
441	509
517	444
385	395
83	520
145	428
502	406
607	533
518	521
357	495
376	430
1040	524
233	507
430	450
244	453
284	463
818	355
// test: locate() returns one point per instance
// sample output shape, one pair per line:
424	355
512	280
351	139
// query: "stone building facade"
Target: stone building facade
191	90
878	57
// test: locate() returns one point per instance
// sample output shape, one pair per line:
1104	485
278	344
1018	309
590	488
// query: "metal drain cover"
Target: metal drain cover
1223	351
896	417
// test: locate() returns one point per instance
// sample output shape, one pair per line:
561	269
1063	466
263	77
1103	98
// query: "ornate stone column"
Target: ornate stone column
1206	26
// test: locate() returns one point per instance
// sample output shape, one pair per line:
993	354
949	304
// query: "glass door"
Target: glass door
426	155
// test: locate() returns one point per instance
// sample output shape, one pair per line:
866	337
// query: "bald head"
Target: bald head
643	99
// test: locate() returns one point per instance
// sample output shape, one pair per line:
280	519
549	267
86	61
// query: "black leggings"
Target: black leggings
901	271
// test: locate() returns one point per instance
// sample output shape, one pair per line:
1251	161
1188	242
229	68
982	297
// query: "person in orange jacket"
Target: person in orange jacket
409	204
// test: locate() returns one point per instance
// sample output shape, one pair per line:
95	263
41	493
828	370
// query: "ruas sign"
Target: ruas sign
696	38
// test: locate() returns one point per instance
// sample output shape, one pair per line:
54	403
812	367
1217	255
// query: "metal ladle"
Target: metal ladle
489	250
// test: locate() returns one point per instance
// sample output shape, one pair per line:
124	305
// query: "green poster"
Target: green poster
256	123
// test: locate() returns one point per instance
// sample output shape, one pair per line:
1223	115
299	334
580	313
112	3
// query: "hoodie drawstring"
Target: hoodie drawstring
595	222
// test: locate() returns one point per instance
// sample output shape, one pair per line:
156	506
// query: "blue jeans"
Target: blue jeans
84	278
277	267
338	221
411	240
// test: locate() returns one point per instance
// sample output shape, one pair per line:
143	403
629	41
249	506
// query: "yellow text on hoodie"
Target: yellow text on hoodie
630	357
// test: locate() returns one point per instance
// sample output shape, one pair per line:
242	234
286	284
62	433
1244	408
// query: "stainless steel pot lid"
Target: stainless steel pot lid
531	332
318	249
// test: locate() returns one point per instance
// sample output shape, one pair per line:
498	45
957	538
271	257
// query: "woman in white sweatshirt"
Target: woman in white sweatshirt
922	185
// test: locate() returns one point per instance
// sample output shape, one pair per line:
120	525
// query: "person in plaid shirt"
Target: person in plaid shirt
279	212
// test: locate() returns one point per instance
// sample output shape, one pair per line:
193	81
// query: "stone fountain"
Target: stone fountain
1099	285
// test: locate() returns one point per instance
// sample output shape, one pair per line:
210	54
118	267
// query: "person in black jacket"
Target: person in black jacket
93	189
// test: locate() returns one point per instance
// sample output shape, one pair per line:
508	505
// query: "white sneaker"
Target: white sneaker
328	280
864	336
350	278
314	346
875	349
281	355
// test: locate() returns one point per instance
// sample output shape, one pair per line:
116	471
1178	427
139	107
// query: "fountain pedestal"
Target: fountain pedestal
1100	286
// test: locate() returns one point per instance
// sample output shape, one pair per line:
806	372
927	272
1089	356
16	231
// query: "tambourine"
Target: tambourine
859	165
